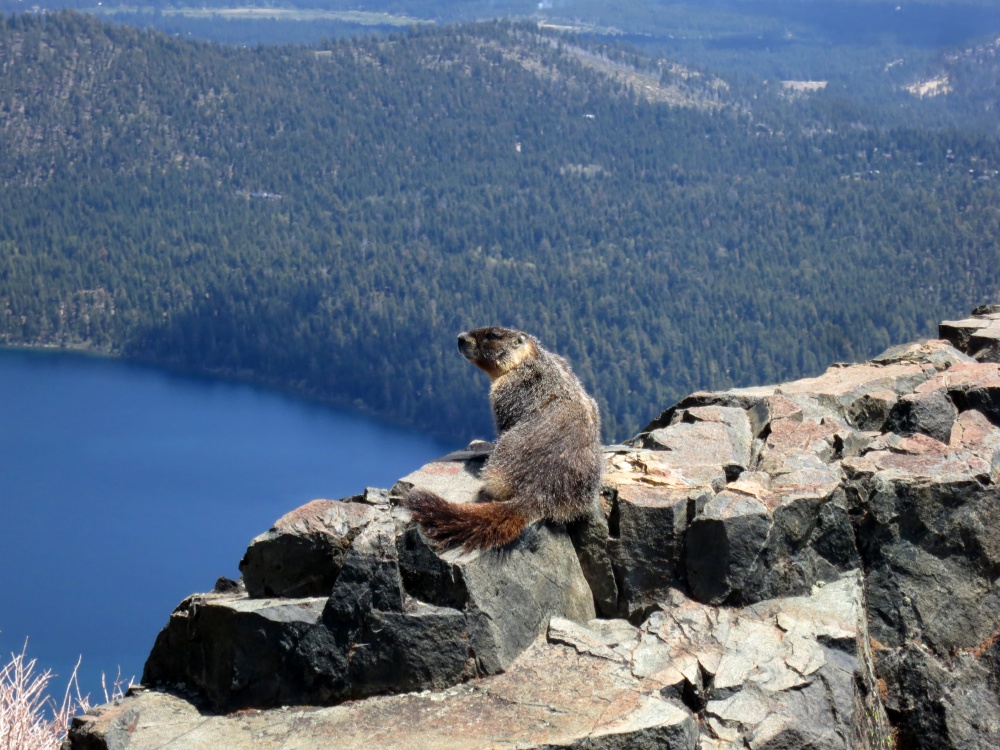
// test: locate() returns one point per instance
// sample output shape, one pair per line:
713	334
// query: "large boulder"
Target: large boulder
930	545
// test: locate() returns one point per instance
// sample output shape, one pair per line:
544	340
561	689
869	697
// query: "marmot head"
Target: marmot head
496	350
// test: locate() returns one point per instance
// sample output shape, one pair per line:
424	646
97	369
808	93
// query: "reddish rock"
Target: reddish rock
706	436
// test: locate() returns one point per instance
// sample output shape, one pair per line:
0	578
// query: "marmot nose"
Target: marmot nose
465	342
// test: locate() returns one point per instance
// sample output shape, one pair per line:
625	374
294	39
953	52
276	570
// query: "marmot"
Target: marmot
546	464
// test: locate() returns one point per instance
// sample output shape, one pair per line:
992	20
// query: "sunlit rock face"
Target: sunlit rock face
810	564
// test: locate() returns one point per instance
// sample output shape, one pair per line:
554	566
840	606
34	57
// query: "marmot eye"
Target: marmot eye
493	336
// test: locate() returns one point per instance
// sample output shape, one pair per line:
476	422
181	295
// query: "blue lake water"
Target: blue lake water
124	488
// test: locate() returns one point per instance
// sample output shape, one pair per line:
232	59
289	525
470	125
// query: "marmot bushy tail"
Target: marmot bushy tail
546	464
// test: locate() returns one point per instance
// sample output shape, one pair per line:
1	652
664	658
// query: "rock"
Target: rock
745	542
590	537
931	413
978	336
773	670
303	552
969	386
553	697
986	343
782	671
394	615
810	542
943	702
660	468
928	539
723	543
758	408
511	595
930	545
794	446
840	386
239	651
455	476
706	436
941	354
507	595
974	435
647	526
871	411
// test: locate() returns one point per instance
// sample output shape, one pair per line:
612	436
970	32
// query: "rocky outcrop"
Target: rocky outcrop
344	600
784	673
808	565
978	336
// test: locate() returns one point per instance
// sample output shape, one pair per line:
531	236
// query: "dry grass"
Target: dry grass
30	719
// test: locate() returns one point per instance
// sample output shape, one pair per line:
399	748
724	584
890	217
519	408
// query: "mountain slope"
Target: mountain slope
328	219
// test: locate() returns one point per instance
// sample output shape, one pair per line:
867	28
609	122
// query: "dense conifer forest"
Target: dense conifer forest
327	219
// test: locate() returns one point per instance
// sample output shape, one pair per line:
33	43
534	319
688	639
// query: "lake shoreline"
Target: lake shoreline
247	378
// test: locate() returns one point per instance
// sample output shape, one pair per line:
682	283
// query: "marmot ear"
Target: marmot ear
521	338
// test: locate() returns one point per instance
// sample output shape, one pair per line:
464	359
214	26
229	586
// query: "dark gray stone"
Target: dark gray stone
369	579
931	550
871	411
984	399
422	647
513	593
927	520
984	344
931	414
303	552
959	332
426	575
397	617
240	652
723	543
978	336
590	536
507	595
503	598
943	703
970	386
810	542
648	525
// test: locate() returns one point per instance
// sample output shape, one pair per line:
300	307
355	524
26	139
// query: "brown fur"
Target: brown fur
546	464
475	526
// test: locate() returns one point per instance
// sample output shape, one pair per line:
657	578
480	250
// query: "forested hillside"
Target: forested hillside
329	219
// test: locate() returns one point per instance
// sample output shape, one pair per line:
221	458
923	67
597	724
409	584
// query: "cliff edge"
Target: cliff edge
807	565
